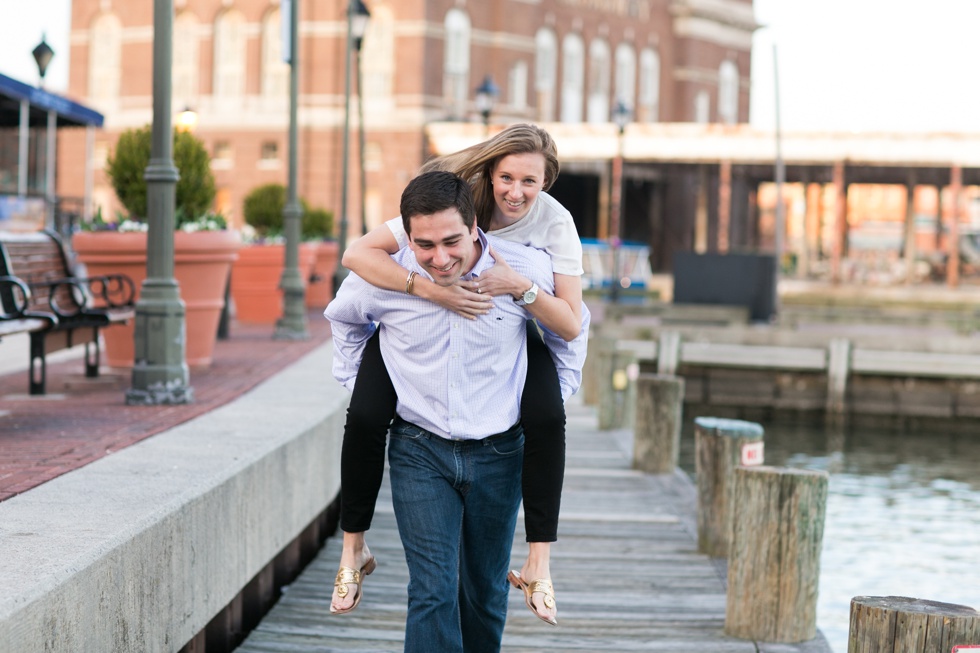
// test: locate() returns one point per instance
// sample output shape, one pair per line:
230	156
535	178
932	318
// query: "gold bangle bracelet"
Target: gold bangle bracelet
410	282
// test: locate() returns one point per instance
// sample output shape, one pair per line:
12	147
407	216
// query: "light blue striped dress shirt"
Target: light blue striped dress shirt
455	377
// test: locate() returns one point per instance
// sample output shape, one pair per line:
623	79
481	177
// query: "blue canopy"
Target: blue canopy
70	114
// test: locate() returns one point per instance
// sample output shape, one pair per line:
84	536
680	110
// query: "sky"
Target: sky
844	65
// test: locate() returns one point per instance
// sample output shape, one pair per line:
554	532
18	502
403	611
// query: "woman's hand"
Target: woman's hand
499	280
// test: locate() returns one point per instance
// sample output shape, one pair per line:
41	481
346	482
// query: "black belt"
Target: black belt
490	438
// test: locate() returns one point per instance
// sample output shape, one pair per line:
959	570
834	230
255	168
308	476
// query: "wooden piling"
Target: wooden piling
719	447
657	426
774	557
617	391
888	624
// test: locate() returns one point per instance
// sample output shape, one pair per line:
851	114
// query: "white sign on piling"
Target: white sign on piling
752	454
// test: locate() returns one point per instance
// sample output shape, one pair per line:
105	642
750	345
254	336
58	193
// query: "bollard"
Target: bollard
774	554
720	445
887	624
657	427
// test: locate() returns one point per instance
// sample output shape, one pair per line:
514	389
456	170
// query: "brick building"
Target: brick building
554	61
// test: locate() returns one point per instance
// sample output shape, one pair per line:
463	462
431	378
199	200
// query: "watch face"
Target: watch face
530	295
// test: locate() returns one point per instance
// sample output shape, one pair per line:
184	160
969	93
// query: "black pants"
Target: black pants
372	407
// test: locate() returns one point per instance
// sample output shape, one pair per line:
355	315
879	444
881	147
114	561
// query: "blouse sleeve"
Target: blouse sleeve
565	248
397	229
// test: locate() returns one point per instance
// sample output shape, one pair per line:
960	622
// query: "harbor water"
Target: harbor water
903	511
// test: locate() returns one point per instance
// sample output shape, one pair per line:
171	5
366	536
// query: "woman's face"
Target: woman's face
517	180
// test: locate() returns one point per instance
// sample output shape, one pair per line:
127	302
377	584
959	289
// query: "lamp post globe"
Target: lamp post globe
43	54
486	97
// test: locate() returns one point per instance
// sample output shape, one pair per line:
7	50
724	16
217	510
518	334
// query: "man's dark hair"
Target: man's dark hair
436	191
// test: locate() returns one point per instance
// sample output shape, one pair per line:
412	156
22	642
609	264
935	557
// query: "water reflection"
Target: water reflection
903	511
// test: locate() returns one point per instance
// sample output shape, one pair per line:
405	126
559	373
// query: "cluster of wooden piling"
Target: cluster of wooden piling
766	521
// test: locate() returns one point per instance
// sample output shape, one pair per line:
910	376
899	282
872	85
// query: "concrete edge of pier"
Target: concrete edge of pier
139	550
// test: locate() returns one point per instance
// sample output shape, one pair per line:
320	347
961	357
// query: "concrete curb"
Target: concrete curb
139	550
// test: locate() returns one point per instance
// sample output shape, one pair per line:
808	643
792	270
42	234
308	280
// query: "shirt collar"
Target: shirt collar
486	261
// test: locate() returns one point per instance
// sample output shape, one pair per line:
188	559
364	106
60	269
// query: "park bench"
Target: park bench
76	308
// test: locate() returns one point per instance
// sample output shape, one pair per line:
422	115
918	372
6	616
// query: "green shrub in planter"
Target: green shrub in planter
126	166
263	208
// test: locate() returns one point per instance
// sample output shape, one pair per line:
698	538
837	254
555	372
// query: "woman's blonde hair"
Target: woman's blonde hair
475	164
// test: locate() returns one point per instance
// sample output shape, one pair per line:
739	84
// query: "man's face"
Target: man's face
443	245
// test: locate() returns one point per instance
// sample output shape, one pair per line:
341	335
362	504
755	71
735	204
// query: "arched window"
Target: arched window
229	55
599	97
572	78
456	62
648	107
545	72
186	60
702	107
517	86
105	53
626	75
378	55
275	71
728	93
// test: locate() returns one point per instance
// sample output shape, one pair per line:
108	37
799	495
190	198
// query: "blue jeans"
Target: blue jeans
456	507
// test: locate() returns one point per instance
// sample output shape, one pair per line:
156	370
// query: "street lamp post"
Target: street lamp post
357	17
486	97
358	41
292	324
621	116
160	373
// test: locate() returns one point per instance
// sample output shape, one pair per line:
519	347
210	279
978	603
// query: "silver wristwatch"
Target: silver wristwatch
529	296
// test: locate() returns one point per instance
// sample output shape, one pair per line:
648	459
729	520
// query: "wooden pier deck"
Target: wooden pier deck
627	573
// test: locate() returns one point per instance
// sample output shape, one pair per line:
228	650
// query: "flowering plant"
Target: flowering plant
208	221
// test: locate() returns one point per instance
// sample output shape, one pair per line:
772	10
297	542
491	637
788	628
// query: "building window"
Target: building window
186	59
269	151
222	153
728	93
105	58
275	71
456	62
648	109
378	54
599	97
702	107
229	55
517	85
545	71
572	78
626	76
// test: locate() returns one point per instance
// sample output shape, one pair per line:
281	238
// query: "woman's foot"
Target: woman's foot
355	557
537	567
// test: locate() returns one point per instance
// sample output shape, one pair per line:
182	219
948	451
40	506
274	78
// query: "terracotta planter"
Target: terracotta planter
255	281
320	290
202	263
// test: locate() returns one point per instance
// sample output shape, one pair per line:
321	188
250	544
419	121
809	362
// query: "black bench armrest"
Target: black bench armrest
112	291
115	290
15	296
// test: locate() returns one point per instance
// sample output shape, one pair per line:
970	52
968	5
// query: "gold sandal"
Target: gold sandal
541	586
347	575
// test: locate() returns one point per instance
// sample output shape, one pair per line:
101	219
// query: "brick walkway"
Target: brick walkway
82	420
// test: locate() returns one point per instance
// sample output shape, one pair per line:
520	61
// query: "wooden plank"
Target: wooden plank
626	568
912	363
